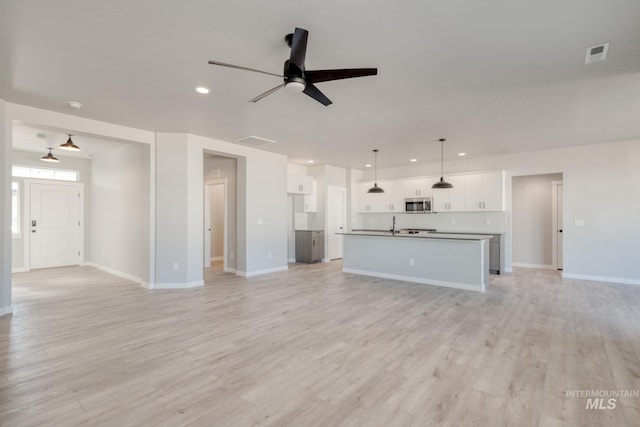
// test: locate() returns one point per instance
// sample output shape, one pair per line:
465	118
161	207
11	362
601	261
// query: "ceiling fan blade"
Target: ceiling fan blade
267	93
299	48
315	93
317	76
243	68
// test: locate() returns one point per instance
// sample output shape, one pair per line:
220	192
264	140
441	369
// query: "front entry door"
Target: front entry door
56	221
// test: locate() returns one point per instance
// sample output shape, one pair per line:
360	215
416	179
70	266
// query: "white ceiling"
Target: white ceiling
496	76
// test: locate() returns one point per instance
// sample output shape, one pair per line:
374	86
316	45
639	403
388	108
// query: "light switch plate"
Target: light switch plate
578	222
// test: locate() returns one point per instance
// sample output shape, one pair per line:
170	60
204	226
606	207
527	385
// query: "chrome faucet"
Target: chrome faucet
393	227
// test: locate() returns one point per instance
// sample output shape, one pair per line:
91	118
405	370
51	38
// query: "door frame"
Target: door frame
26	215
225	244
555	226
343	192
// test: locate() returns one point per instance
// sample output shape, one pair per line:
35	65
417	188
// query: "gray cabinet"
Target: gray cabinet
309	245
496	257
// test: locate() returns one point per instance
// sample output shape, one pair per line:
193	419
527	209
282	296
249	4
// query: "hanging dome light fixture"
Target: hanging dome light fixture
49	157
375	188
442	183
69	145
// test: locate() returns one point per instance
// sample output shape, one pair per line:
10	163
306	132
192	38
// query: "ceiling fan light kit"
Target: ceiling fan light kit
442	183
296	78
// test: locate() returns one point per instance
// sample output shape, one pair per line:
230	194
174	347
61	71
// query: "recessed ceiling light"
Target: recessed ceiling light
75	104
367	166
203	90
413	160
462	154
311	161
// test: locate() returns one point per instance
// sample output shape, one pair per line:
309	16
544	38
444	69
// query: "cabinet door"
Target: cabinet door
456	195
311	200
493	191
450	199
392	199
299	184
473	192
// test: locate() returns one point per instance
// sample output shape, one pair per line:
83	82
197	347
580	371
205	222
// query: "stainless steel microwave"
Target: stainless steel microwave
418	205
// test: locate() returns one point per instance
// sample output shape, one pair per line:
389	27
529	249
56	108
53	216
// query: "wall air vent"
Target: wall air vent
596	53
254	141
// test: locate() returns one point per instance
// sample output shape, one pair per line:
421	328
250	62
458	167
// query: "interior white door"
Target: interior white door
57	218
560	230
336	220
207	226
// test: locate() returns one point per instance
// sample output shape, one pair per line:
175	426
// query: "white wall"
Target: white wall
261	206
531	219
599	187
120	210
217	221
27	158
5	210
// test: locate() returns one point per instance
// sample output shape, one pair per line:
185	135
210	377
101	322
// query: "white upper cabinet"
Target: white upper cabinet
473	192
299	184
484	191
450	199
311	200
392	200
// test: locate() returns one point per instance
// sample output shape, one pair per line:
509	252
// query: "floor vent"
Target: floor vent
596	53
254	141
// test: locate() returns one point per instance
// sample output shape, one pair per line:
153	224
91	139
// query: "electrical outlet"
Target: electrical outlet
176	266
259	221
412	261
453	220
269	255
231	254
487	221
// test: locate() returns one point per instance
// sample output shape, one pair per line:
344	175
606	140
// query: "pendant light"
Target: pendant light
375	188
69	145
49	157
442	183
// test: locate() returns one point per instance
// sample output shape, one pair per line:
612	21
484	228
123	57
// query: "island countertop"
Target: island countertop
442	236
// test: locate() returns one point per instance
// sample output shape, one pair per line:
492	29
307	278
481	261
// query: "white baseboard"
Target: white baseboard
20	270
259	272
177	285
117	273
601	278
229	270
6	310
415	280
527	265
292	260
217	258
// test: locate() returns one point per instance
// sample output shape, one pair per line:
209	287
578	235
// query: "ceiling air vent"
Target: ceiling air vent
254	141
596	53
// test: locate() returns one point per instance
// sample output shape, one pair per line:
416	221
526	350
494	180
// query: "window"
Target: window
15	209
44	173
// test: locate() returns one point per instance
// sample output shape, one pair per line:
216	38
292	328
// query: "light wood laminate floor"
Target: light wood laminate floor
313	346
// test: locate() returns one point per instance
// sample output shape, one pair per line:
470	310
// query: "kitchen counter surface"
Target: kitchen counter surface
442	236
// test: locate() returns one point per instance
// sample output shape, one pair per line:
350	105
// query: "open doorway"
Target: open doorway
536	221
215	218
220	215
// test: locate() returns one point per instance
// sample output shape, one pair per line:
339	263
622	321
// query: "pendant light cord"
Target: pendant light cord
441	157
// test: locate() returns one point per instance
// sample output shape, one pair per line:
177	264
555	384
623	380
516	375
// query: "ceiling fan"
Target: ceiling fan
297	78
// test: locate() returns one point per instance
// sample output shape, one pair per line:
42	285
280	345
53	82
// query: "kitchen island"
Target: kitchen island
452	260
